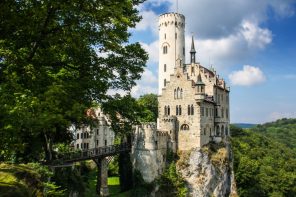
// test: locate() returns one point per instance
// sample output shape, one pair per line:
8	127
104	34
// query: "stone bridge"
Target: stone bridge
100	155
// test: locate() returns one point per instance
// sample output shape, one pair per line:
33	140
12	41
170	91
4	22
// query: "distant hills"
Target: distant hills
245	125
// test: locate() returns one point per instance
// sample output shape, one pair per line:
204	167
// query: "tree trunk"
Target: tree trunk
47	147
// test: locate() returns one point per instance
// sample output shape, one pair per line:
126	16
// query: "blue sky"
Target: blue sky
251	43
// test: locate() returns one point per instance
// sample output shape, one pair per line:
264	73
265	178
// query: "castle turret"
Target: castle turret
200	89
171	45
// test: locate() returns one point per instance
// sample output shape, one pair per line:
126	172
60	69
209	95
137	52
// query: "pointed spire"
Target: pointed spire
192	46
192	51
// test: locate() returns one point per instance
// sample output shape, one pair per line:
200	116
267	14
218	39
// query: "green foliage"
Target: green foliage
141	188
73	179
283	131
27	180
172	183
113	167
149	105
263	166
56	59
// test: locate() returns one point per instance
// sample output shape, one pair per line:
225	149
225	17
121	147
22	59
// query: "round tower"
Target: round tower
171	45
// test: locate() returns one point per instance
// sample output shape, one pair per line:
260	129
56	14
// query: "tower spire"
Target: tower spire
192	51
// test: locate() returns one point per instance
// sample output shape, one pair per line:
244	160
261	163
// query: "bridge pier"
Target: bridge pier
102	176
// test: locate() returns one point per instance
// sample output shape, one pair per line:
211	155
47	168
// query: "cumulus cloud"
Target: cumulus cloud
147	84
153	51
148	22
255	36
220	18
244	42
249	76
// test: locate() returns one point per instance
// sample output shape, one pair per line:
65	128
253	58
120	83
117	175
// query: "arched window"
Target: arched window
189	110
177	110
192	110
180	110
178	93
218	131
169	110
165	49
184	127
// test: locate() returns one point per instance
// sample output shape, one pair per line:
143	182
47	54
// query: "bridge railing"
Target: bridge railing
93	153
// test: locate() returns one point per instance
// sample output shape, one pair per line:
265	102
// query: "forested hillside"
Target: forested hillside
265	159
283	131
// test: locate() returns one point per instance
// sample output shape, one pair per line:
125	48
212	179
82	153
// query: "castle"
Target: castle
193	107
193	103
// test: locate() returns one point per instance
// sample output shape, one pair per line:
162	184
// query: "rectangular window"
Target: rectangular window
202	111
97	143
77	146
97	131
164	82
77	136
81	145
207	112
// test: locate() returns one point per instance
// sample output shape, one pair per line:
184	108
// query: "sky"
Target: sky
251	44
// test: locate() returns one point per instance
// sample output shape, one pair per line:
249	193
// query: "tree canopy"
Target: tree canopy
264	166
56	59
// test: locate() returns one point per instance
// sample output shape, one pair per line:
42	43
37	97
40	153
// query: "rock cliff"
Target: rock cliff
208	171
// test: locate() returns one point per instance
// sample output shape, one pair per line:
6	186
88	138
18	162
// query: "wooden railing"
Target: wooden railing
92	153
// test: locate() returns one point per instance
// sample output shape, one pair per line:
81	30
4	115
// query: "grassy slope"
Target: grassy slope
19	180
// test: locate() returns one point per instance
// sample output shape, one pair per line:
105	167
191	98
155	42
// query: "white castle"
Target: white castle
193	103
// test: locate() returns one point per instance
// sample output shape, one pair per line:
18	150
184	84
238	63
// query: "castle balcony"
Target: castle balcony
219	120
199	97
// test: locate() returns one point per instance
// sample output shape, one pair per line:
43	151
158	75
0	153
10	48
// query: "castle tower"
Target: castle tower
171	46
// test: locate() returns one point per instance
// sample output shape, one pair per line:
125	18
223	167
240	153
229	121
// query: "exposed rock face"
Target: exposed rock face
209	171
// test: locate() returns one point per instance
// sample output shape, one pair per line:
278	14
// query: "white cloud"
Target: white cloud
220	18
148	77
153	51
149	22
147	84
244	42
255	36
249	76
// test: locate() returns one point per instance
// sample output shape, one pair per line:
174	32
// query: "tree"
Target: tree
56	59
149	105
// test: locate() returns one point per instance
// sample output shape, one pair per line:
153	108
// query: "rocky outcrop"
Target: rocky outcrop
209	171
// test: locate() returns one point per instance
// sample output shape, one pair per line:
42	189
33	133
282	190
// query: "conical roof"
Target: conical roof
192	46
